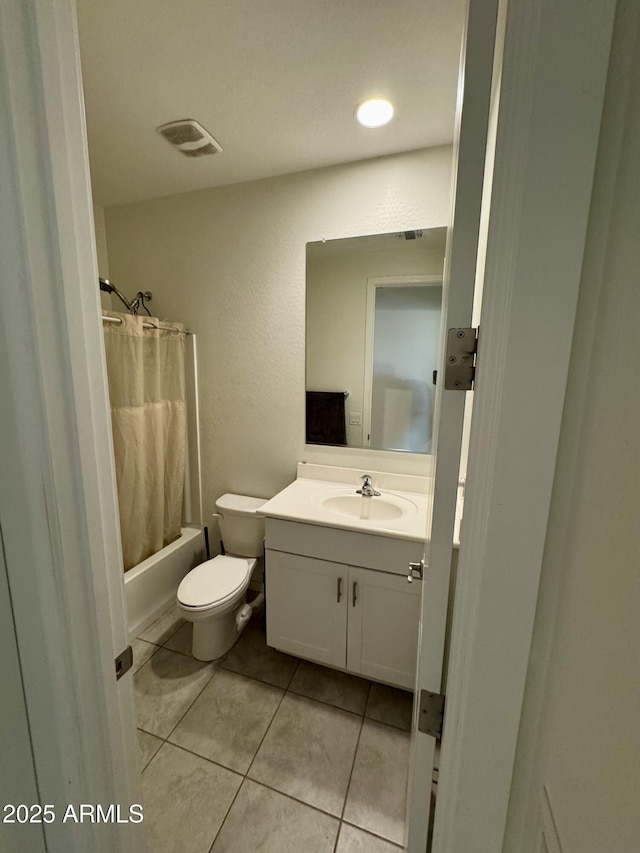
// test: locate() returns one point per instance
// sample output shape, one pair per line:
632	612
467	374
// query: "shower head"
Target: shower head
107	287
134	305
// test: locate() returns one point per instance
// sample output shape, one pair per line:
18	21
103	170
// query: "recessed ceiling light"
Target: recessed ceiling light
375	113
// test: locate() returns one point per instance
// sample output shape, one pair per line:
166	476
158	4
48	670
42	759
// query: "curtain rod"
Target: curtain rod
147	325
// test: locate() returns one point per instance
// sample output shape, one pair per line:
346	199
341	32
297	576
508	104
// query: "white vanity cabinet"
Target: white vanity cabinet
342	598
307	610
382	633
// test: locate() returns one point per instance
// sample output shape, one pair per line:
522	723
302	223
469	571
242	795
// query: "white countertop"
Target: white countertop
302	501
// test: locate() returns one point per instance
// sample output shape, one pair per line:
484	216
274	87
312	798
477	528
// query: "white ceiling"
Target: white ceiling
274	81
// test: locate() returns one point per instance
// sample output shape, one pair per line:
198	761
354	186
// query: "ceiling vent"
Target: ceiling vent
189	137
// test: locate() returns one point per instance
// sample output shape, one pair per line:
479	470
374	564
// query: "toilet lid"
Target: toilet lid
213	582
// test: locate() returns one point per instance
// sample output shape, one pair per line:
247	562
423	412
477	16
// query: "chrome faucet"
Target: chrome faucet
367	490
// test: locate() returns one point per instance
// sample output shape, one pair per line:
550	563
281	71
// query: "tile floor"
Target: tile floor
261	751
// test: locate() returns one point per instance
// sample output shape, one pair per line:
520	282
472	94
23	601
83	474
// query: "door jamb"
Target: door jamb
553	79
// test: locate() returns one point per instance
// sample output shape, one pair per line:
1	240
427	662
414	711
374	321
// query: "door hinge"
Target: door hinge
416	570
460	359
431	713
124	662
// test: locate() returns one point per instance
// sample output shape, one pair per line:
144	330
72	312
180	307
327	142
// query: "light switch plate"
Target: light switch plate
355	419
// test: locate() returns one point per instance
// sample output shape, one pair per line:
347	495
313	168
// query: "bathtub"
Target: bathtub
151	586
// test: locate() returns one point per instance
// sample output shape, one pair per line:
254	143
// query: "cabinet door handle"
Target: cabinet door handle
355	597
339	589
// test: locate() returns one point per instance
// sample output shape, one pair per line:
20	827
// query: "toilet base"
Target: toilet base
213	637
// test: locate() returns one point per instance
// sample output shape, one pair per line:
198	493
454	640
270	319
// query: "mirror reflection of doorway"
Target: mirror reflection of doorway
402	336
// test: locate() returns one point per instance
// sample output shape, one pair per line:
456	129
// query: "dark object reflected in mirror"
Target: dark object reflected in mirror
326	417
373	331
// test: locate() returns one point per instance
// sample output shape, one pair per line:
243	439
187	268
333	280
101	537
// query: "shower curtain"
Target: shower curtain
146	369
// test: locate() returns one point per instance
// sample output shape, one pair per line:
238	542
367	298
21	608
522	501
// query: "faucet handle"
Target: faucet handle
367	489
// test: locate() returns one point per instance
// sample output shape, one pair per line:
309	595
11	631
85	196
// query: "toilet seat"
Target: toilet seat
214	583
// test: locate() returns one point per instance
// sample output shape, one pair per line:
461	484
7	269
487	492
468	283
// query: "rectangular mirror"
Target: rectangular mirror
373	317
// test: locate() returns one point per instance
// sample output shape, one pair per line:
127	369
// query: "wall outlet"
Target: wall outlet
355	419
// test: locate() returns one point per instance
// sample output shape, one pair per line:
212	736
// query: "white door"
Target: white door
307	600
459	280
382	640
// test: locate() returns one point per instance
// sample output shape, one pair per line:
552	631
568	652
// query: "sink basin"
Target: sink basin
334	503
374	508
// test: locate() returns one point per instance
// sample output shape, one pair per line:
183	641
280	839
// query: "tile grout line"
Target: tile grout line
285	692
162	742
162	615
155	651
353	764
295	799
306	695
205	685
288	690
389	725
246	778
287	797
226	815
246	774
278	687
157	648
268	729
265	785
166	739
259	680
324	702
374	834
204	758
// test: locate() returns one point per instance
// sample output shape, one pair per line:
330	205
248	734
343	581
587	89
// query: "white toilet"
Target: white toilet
213	595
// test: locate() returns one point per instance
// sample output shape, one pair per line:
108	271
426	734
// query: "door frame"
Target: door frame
552	78
373	283
61	531
58	501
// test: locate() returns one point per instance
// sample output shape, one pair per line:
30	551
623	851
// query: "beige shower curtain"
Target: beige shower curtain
148	412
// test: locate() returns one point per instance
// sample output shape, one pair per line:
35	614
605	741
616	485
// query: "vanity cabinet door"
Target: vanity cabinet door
384	611
307	607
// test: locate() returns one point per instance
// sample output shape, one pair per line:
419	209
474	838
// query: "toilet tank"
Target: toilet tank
241	528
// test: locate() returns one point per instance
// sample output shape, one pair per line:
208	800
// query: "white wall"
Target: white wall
336	316
230	263
579	733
